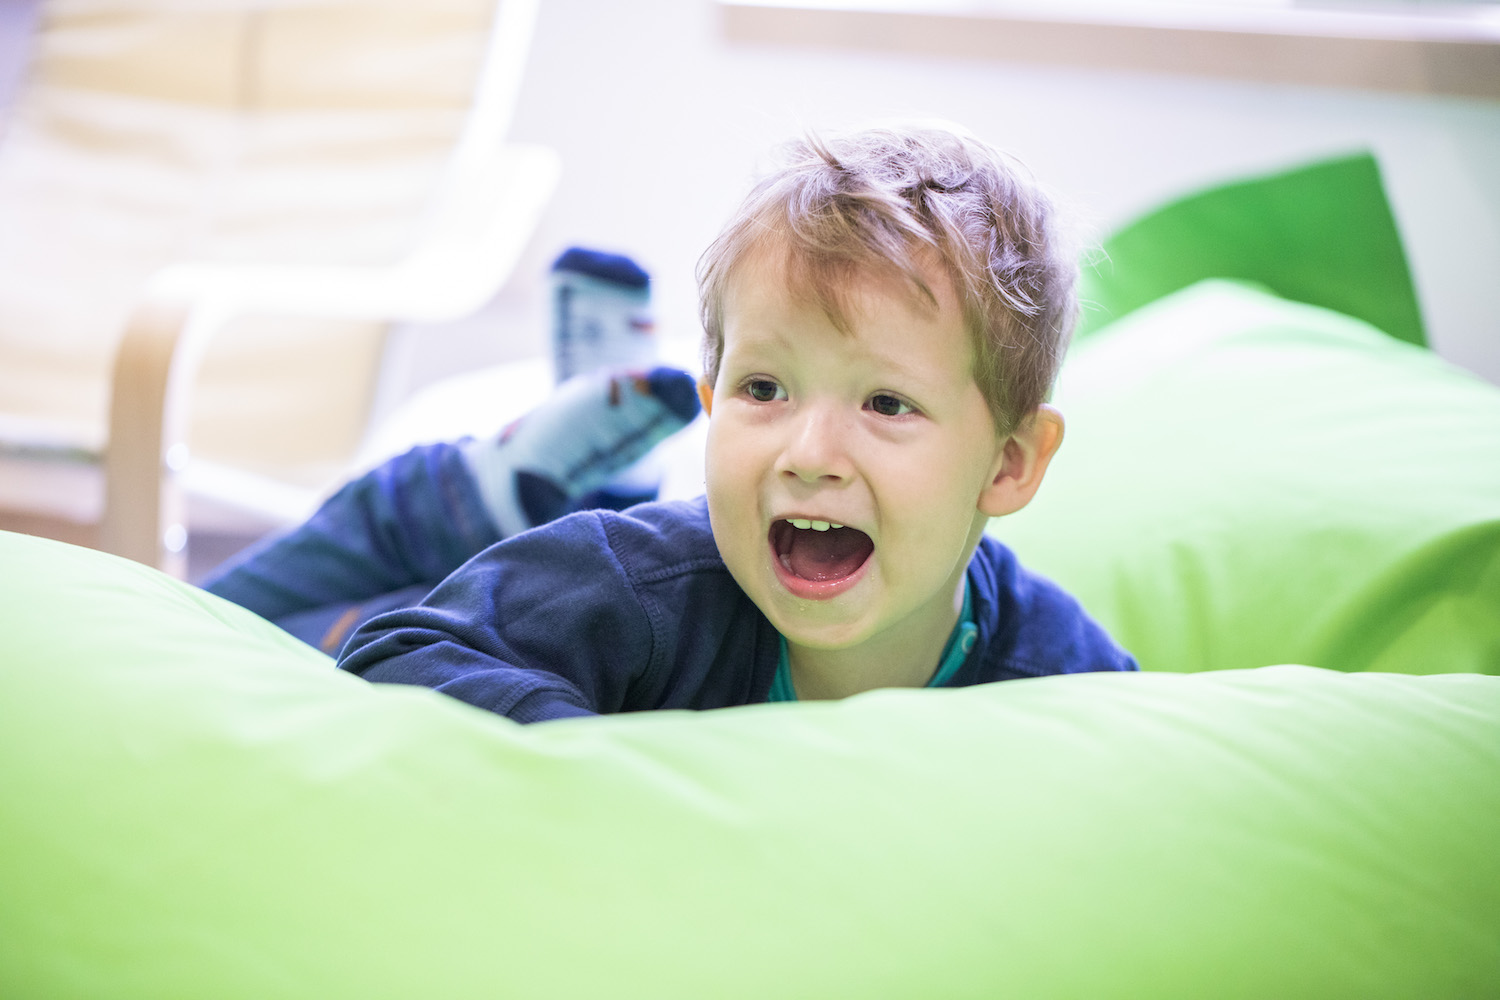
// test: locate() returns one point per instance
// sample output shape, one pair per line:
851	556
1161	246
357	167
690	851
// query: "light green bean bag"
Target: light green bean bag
1253	478
196	806
1249	480
1321	233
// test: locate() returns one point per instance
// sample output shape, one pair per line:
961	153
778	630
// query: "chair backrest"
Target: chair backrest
289	132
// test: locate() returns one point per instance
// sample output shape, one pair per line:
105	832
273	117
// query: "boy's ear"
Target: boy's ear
1022	462
706	397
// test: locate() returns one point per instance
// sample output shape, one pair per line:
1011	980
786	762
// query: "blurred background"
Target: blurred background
661	113
664	112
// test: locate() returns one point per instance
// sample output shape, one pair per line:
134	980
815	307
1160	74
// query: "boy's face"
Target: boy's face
881	430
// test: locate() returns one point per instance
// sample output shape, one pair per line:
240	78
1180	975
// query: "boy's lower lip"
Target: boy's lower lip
815	590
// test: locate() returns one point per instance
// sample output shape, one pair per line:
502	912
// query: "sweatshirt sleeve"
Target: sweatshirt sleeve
544	625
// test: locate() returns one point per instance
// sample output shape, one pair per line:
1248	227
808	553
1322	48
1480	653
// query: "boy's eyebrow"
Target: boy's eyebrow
894	365
761	335
908	373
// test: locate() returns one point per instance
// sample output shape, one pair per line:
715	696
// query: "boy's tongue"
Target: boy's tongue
823	555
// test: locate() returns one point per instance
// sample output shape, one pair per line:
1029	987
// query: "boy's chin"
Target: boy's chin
820	625
827	639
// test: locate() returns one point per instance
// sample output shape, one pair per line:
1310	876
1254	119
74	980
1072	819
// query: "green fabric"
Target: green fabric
1321	234
196	806
1246	480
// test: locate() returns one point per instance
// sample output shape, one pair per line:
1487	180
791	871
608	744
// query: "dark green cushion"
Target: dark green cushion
1321	234
195	806
1247	480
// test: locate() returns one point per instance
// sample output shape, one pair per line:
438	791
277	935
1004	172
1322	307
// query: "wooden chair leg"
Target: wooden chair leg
144	510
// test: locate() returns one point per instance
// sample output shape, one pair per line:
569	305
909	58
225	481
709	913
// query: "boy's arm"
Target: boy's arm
411	521
545	625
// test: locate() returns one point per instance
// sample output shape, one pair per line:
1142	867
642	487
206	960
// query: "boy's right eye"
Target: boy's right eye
764	390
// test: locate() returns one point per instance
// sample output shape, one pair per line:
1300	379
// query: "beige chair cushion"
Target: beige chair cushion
295	131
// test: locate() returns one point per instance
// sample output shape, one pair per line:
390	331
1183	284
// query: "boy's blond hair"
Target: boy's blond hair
897	200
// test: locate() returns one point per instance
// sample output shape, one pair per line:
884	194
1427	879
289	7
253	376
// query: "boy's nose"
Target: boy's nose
817	448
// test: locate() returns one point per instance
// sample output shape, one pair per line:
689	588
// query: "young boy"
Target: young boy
884	318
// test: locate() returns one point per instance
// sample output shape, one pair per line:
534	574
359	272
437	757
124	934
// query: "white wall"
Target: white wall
662	124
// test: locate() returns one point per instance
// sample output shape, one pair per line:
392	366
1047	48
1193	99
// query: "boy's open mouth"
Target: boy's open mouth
819	551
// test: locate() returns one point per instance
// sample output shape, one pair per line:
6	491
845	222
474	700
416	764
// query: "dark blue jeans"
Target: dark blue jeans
382	542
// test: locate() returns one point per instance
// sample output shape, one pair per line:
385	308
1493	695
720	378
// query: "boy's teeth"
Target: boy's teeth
805	524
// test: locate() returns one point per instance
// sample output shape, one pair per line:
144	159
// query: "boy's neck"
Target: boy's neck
901	657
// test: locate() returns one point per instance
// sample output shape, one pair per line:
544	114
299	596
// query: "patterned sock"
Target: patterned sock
594	426
601	313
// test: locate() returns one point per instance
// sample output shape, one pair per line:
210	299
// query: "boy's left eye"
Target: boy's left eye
763	390
889	406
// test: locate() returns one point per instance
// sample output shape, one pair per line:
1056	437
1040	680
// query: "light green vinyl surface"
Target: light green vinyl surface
1246	480
195	806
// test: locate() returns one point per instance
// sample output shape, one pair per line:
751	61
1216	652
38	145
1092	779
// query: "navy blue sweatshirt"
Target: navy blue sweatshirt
620	612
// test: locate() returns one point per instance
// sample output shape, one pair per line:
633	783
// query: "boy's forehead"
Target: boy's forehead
775	280
772	313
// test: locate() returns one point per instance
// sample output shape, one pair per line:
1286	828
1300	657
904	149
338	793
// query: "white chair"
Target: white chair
209	214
